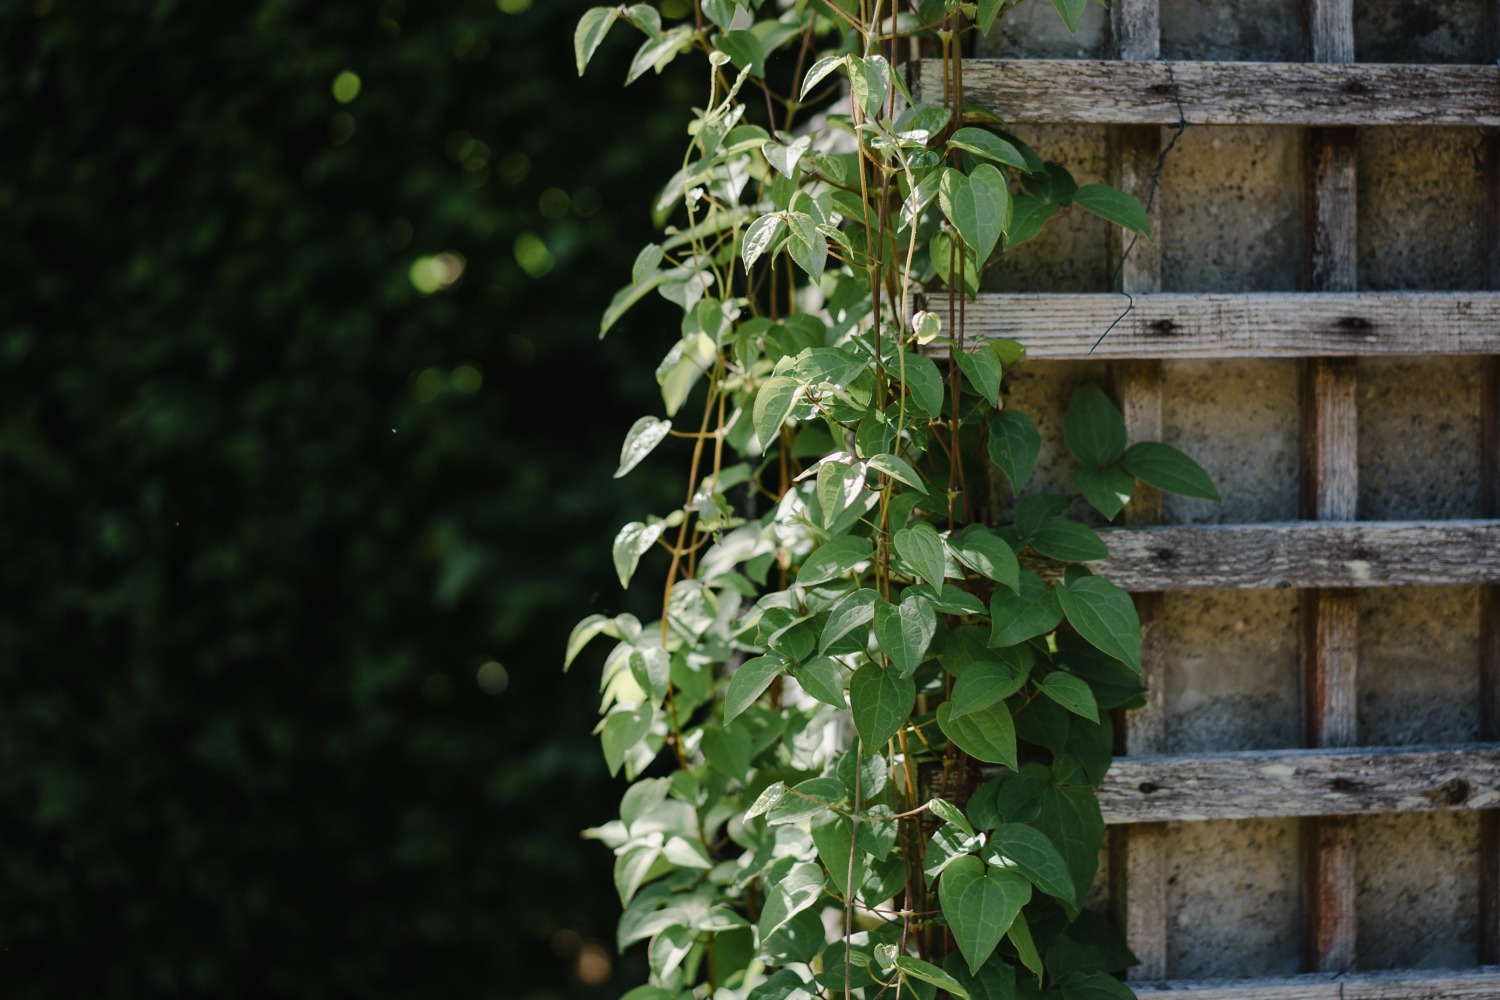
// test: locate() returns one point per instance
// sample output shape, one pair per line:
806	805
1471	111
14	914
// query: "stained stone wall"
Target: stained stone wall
1231	204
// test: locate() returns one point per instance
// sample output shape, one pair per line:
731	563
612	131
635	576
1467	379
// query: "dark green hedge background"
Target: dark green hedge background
288	548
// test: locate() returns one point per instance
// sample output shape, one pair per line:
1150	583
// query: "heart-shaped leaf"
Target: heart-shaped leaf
980	903
988	734
922	546
905	631
1105	616
881	700
977	205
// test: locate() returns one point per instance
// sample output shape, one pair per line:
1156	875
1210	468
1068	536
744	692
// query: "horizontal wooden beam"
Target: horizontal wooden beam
1405	984
1279	555
1103	92
1269	325
1264	784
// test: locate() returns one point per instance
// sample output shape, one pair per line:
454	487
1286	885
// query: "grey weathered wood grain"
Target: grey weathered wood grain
1405	984
1255	325
1279	555
1285	783
1108	92
1138	855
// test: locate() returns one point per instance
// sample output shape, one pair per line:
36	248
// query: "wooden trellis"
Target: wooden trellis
1327	555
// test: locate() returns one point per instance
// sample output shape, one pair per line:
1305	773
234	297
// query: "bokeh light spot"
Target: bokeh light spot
492	678
554	203
532	254
514	167
594	965
346	86
513	6
468	378
435	273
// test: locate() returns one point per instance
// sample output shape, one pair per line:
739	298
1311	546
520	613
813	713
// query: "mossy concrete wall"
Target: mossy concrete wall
1231	210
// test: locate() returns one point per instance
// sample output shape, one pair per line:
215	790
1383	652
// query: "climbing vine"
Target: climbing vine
863	738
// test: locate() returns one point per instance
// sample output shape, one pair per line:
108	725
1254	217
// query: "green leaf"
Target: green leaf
833	559
622	730
744	50
774	402
641	799
1072	693
633	866
683	366
1068	541
1033	611
1020	937
976	205
1036	509
1094	986
822	678
646	262
644	435
1107	490
995	981
592	27
1029	216
923	381
819	70
851	612
951	600
1027	851
905	631
949	813
833	836
984	684
760	237
988	145
922	546
1113	205
1168	469
881	701
988	734
582	633
748	682
1014	445
915	968
980	904
651	669
947	844
1093	427
983	369
898	469
870	79
1070	818
784	157
767	800
841	487
1071	10
987	554
655	54
799	888
805	800
631	543
944	250
728	750
1105	616
808	247
988	11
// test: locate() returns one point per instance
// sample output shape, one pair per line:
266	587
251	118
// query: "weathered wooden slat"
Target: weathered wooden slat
1107	92
1489	485
1278	555
1138	855
1412	984
1330	491
1264	784
1261	325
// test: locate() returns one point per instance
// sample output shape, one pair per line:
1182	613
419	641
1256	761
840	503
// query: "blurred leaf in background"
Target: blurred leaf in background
306	446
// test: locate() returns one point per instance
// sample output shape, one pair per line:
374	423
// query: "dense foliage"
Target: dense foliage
865	729
287	518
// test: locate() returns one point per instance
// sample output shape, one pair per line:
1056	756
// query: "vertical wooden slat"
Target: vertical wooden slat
1330	482
1489	596
1138	856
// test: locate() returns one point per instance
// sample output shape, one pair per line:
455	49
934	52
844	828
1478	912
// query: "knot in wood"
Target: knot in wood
1355	87
1354	323
1147	787
1164	326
